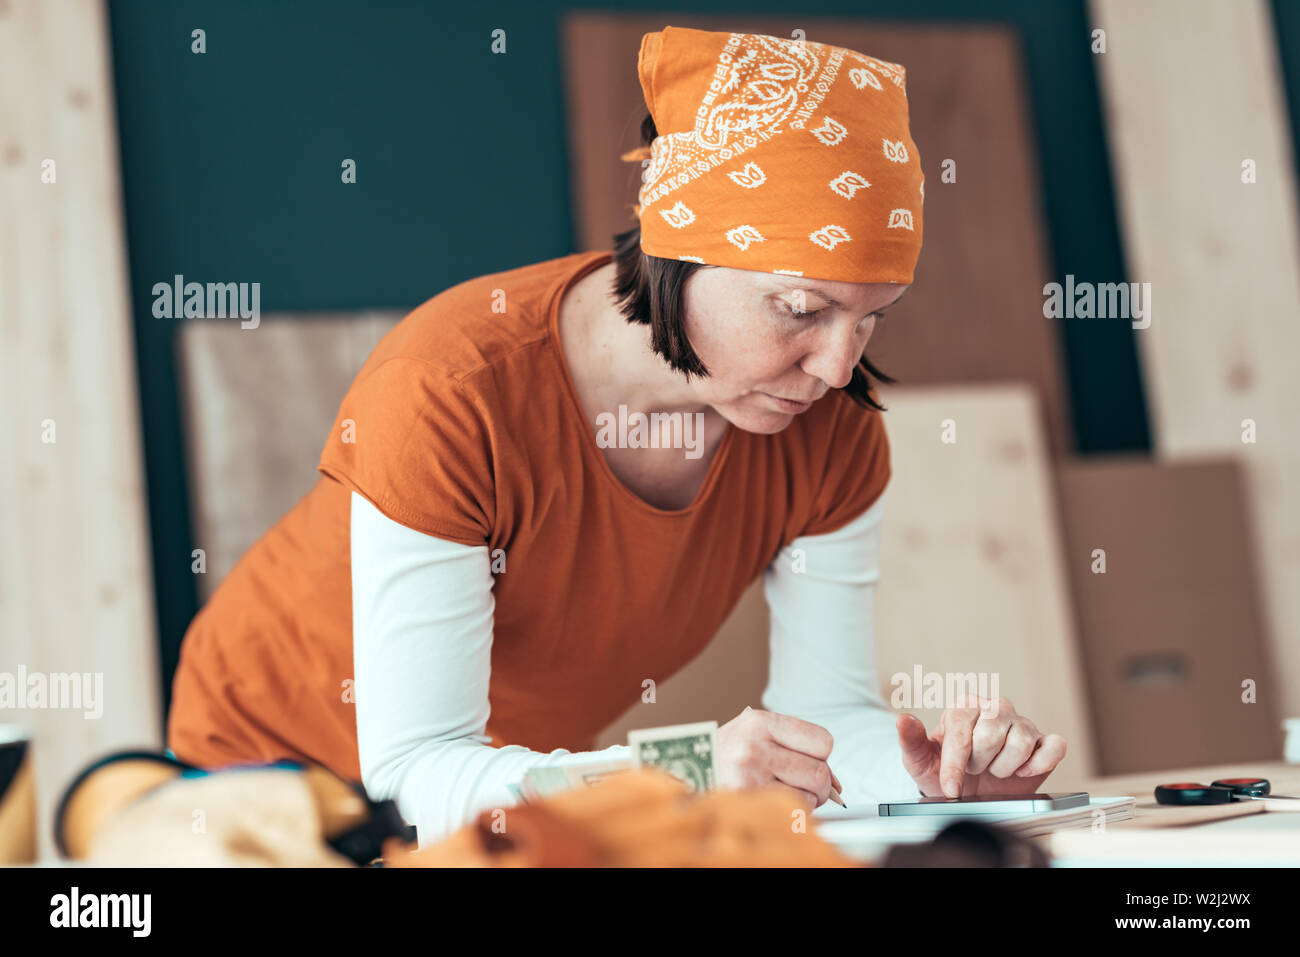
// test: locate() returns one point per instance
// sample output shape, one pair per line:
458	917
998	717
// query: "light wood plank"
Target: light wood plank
258	405
75	576
1192	88
1167	637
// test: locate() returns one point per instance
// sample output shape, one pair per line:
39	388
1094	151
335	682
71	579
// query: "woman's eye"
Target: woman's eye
804	313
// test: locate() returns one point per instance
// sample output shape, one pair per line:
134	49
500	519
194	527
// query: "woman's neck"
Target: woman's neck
615	363
614	367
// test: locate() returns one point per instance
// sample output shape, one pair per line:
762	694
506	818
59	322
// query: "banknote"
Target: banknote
683	750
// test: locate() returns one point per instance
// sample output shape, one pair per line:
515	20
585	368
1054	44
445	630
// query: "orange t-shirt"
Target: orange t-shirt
464	424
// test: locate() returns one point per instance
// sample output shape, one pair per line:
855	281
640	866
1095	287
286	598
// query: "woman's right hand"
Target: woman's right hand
761	748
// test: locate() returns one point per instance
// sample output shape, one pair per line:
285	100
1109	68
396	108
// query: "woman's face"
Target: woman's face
775	344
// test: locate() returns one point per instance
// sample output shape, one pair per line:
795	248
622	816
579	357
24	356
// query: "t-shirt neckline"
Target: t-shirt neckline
590	449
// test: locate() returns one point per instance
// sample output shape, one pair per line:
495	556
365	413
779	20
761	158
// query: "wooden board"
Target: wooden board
257	406
1185	107
76	586
1174	625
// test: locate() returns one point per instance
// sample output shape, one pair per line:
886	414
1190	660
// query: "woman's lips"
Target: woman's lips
788	405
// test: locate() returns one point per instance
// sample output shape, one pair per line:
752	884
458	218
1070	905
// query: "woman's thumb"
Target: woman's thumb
918	750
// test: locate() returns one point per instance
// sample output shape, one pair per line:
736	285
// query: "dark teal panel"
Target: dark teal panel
232	158
1286	20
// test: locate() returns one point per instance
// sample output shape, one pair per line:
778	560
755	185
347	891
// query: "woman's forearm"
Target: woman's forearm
422	612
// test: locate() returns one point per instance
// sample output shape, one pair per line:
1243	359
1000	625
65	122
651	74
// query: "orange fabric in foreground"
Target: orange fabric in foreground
643	818
464	425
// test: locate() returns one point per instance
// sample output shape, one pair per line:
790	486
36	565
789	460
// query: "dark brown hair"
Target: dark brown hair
651	291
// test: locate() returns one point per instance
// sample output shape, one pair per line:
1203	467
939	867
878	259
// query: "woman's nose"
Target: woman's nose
836	355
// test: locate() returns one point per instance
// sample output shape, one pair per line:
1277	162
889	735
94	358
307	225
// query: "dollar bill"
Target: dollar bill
683	750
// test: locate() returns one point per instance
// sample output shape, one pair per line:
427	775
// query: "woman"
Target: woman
489	571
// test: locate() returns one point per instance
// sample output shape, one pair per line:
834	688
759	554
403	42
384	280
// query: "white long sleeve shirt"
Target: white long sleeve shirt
422	613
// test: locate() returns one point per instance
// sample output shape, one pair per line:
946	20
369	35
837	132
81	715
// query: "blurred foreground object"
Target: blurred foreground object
968	843
647	818
17	798
138	808
642	818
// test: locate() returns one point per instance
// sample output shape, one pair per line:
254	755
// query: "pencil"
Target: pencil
835	795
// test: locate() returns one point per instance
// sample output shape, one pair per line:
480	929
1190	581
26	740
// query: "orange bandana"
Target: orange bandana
785	156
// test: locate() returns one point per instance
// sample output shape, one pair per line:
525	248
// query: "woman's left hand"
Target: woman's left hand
986	749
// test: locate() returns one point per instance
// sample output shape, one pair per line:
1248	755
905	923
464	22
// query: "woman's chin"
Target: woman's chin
762	422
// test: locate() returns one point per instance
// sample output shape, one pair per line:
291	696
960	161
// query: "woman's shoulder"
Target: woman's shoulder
480	321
